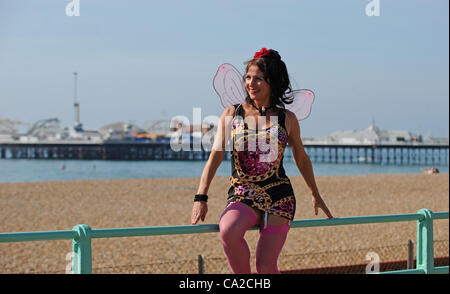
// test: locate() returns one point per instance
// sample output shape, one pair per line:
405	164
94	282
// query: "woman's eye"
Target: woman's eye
249	79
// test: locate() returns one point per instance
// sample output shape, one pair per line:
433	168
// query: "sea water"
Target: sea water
32	170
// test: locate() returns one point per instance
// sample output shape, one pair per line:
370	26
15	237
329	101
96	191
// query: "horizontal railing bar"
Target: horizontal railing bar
441	270
407	271
153	231
208	228
440	215
37	236
211	228
356	220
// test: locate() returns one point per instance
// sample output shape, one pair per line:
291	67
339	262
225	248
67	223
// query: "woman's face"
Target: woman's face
257	88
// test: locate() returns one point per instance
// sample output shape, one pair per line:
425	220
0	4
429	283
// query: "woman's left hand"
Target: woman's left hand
199	211
319	203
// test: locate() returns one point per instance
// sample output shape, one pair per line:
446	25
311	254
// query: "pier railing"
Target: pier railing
81	236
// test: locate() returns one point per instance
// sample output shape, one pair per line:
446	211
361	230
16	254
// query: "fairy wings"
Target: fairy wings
229	85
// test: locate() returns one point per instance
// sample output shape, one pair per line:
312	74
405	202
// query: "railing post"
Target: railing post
425	246
201	264
410	261
82	251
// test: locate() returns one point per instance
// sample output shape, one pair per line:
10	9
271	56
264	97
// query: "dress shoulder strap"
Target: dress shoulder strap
282	117
238	109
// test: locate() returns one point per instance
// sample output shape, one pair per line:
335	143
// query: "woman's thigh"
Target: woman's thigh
238	216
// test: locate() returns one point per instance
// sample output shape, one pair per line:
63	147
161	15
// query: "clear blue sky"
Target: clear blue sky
145	60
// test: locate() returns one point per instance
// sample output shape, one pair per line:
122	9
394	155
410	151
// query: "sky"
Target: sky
140	61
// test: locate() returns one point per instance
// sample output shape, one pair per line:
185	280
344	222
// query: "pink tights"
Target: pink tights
236	219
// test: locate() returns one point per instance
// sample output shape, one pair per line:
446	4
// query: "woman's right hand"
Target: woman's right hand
215	158
199	211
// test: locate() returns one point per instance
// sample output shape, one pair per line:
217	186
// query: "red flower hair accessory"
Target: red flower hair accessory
261	53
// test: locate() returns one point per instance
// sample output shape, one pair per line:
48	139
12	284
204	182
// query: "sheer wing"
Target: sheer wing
302	104
229	85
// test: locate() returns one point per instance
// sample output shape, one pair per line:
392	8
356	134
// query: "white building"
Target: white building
369	136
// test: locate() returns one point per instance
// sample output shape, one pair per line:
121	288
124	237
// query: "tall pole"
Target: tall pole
75	102
75	74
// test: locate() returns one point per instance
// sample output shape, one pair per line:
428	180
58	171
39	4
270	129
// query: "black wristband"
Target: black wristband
201	197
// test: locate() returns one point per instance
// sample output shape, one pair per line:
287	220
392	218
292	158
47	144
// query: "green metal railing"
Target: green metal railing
81	236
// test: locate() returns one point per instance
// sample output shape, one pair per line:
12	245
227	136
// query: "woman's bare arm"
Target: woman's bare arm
217	151
303	162
200	208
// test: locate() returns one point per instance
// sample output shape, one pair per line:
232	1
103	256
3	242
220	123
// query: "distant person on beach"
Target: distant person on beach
260	193
432	170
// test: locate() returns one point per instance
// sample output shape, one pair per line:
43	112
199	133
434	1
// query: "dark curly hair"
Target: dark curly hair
276	75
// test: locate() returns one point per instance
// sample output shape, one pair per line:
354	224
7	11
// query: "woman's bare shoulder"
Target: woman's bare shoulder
229	111
291	121
290	115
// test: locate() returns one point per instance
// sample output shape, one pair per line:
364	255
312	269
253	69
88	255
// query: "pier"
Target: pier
98	151
380	154
399	154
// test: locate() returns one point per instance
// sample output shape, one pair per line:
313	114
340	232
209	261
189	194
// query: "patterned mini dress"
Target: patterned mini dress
258	178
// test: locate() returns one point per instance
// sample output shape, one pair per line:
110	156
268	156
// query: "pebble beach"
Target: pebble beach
60	205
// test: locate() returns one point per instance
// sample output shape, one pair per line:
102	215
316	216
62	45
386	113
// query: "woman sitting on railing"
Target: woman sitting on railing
260	192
